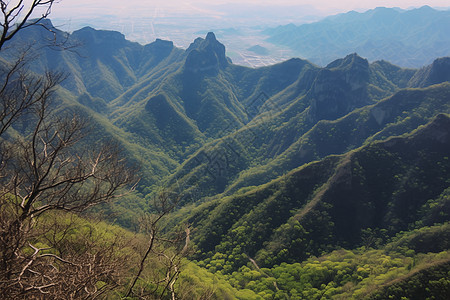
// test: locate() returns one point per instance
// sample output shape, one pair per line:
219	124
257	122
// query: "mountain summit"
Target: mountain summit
340	87
206	55
437	72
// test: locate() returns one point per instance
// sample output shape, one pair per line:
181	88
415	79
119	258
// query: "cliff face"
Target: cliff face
437	72
339	88
206	55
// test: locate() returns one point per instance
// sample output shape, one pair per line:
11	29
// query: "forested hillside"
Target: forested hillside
291	181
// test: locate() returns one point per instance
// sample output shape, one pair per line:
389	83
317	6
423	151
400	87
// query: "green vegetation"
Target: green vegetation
343	274
385	187
119	252
294	181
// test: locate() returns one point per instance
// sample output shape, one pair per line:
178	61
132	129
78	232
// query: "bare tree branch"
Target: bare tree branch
164	203
15	16
44	169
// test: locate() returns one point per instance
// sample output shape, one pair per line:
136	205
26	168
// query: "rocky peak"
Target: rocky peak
47	23
437	72
99	36
100	43
206	55
159	47
210	36
339	88
102	40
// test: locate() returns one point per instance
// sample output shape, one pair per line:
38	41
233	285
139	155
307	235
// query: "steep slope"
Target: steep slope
340	88
285	133
98	63
274	165
201	89
107	62
205	96
194	91
437	72
152	165
395	115
385	186
213	96
220	127
388	78
98	66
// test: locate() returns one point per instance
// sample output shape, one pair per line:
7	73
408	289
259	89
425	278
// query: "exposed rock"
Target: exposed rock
339	88
437	72
206	55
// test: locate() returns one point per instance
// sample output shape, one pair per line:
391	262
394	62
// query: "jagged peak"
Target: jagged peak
206	54
195	44
441	61
162	42
437	72
47	23
211	36
209	41
340	88
348	61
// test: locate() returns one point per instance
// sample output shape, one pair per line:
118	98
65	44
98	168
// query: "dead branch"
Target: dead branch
15	16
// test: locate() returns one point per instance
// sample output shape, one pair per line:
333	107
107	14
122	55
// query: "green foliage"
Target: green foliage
198	283
280	168
344	274
359	199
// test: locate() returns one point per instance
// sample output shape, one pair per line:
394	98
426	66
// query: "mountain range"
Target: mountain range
273	165
408	38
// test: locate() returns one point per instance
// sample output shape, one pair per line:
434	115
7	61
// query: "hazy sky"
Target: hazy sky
144	20
74	8
181	21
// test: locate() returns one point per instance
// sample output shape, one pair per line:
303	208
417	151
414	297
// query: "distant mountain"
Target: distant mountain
258	49
411	38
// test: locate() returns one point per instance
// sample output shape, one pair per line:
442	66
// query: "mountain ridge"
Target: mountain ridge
409	38
282	172
313	204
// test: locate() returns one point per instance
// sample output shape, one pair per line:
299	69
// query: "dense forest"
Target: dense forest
135	171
